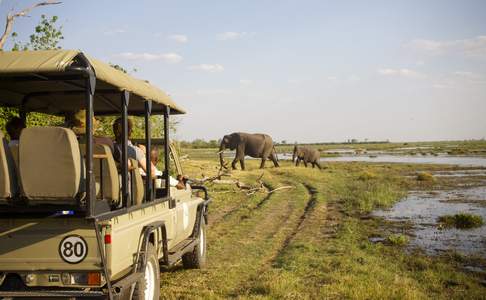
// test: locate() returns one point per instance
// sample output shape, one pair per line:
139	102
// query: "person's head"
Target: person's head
154	155
77	121
14	127
117	128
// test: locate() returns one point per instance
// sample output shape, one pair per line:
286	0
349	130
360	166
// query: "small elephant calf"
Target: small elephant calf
307	155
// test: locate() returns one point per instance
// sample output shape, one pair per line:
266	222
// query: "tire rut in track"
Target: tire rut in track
311	203
236	208
270	261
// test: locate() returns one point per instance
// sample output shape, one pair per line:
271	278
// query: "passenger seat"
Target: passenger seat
8	176
50	166
111	181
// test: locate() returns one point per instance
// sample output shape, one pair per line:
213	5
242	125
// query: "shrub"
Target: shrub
367	175
461	221
424	176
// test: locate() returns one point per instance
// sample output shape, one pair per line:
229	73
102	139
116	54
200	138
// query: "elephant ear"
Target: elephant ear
235	140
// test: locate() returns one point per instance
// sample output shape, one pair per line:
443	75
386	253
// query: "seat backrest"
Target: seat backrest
138	183
104	167
50	165
8	176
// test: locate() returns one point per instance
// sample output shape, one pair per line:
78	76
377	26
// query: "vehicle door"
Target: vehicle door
186	205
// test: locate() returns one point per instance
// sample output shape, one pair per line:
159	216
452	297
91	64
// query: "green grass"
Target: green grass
311	242
398	239
461	221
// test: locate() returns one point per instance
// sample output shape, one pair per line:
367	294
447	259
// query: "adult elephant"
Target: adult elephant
307	155
256	145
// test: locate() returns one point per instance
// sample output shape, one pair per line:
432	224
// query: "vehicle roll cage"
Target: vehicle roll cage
82	70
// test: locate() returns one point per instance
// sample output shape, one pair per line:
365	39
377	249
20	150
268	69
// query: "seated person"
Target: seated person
14	128
133	152
77	122
179	183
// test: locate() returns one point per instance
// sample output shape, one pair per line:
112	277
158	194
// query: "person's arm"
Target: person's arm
143	163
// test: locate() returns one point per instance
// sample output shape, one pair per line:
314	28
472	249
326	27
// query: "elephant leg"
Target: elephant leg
313	165
318	165
242	164
274	159
305	163
233	164
297	162
262	165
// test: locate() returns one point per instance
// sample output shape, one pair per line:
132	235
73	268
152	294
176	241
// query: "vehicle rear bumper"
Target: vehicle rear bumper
54	294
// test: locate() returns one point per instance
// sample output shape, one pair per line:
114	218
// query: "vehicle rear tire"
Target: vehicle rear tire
148	287
196	259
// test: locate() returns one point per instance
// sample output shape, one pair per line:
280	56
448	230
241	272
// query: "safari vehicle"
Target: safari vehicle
73	222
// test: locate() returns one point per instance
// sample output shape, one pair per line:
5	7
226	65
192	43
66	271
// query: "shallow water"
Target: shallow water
443	159
423	208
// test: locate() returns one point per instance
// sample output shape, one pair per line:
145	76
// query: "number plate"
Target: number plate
73	249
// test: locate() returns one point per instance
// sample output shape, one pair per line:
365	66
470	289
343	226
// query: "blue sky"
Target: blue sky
305	71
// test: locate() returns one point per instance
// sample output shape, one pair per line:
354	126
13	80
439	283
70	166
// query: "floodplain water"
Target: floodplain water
414	159
423	208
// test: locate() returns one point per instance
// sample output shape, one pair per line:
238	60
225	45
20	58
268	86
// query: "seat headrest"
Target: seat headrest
50	164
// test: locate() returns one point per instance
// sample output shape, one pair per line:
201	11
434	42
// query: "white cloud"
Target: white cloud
114	31
472	47
207	68
232	35
400	72
440	86
470	77
171	58
246	81
179	38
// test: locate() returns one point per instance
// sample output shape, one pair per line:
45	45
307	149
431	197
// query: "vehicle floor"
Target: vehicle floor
310	241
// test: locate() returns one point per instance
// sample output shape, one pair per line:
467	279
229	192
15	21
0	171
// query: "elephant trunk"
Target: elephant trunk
221	160
294	154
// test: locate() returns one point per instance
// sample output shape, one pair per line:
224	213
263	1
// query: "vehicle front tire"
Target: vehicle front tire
148	287
196	259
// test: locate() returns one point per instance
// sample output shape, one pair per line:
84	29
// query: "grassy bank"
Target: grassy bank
312	241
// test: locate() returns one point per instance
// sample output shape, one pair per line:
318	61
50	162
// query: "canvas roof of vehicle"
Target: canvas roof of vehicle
52	84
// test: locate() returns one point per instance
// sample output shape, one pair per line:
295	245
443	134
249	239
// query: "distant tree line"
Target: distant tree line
200	144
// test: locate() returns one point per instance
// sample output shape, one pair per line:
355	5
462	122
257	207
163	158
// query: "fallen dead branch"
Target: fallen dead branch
248	189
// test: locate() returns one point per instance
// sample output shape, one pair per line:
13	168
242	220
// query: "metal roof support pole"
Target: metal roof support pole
90	85
166	149
125	99
148	147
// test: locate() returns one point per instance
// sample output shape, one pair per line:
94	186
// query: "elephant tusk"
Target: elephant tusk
219	152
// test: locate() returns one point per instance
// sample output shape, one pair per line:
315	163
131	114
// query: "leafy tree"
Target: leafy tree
45	37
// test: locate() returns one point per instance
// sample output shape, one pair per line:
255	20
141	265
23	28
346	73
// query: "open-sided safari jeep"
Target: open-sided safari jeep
73	222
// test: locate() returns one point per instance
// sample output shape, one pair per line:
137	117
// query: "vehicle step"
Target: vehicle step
182	248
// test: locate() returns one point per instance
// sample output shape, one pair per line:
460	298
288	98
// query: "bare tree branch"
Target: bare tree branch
22	13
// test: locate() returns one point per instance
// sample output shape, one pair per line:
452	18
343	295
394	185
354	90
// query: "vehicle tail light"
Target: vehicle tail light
94	278
107	238
89	278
